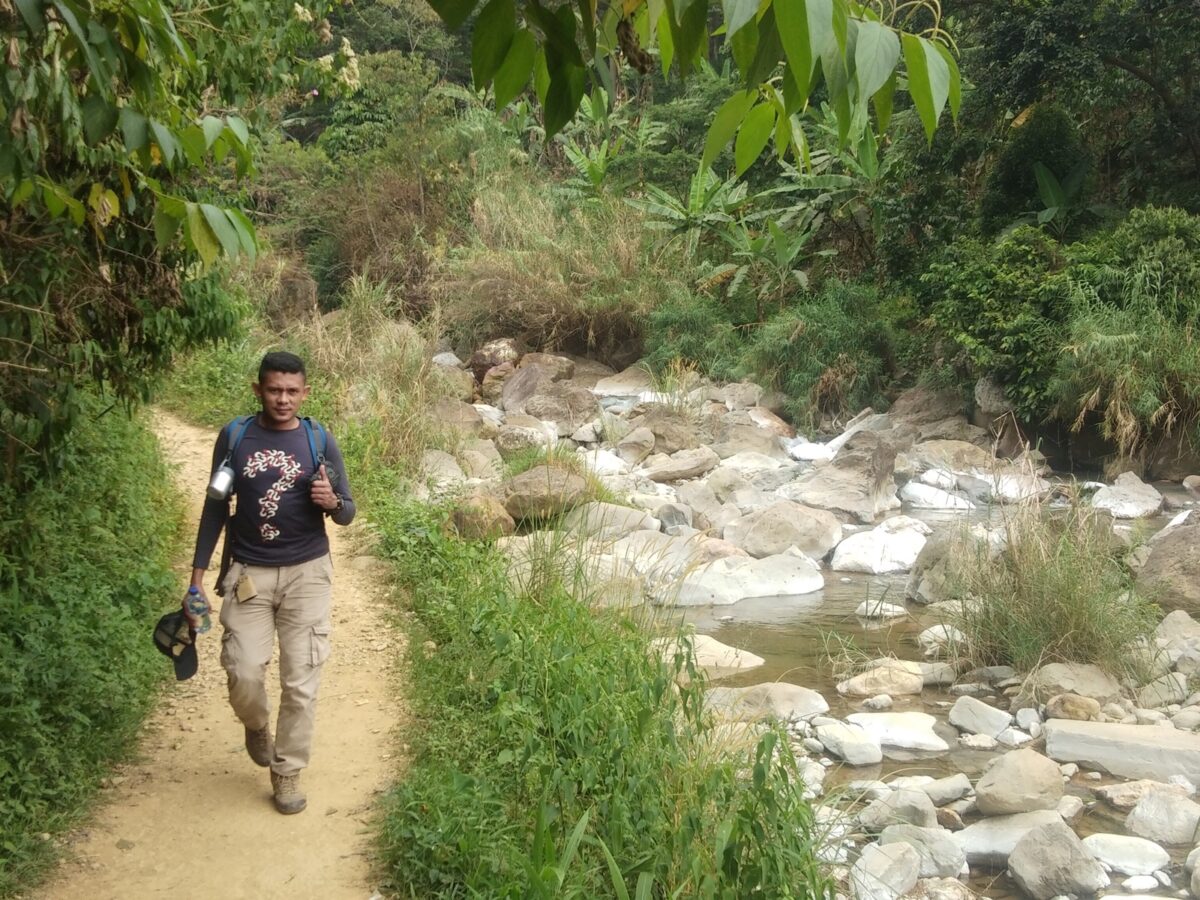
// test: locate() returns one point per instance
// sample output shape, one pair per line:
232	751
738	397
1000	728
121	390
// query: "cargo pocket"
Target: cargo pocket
227	650
320	643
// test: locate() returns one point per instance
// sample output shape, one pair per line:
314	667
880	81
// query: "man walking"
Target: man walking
276	574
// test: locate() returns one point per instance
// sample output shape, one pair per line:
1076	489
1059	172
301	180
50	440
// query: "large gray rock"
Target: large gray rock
608	520
892	546
1168	576
976	717
775	700
543	491
903	806
565	404
1124	795
493	353
774	529
857	482
891	677
681	465
560	368
636	445
901	730
1128	498
482	517
1020	781
735	578
1164	817
953	456
989	842
1131	751
521	385
940	855
946	790
1127	855
884	872
1050	860
714	658
1164	690
850	743
1074	678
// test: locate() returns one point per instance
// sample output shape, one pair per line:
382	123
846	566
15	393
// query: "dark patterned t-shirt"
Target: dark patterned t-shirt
275	522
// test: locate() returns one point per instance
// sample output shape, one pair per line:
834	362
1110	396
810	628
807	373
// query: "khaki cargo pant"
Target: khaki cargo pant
293	601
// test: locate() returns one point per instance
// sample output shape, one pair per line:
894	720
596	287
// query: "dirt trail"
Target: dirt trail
192	817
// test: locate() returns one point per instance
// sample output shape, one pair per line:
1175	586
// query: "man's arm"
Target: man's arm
336	464
212	519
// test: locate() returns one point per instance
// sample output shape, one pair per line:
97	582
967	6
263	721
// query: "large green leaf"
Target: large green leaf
792	20
493	35
134	128
768	51
883	103
166	141
514	72
201	235
245	230
666	44
737	14
192	141
212	127
689	28
222	228
453	12
876	54
165	227
562	99
99	118
1049	188
955	78
753	135
725	125
928	80
31	12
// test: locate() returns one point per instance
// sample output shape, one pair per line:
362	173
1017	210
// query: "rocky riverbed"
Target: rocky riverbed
704	502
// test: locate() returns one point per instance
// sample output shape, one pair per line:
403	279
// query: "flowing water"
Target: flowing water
796	636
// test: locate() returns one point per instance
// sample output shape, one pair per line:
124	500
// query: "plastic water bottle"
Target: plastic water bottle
198	607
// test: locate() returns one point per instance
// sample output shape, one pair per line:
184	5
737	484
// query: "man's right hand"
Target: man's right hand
198	584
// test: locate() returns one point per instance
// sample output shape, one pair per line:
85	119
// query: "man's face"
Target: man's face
281	394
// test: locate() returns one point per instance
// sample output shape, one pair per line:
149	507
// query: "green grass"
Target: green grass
84	573
536	713
1058	592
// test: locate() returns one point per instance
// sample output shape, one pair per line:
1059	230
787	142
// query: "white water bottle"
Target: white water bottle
199	609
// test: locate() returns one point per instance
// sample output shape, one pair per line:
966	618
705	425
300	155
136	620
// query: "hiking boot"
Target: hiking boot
260	745
289	799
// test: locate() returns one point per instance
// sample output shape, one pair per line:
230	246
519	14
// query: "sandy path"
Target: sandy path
192	817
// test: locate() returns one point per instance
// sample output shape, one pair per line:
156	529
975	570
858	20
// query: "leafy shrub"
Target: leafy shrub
1131	364
545	726
1000	309
827	355
1163	243
84	572
1050	137
390	100
1057	592
696	330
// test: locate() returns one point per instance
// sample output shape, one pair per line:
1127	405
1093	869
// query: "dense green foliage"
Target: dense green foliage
84	573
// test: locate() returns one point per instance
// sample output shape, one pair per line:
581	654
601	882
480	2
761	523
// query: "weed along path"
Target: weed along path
191	818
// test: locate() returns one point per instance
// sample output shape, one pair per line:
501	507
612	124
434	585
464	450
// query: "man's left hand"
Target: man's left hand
322	491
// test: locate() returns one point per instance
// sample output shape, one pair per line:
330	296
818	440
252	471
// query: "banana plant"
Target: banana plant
709	205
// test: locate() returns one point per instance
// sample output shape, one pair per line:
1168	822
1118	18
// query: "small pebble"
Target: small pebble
1141	883
1163	878
1092	776
1069	769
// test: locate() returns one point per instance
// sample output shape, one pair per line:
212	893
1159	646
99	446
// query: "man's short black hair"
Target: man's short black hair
281	361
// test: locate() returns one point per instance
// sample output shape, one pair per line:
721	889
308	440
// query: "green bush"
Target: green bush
84	573
1001	309
828	354
390	100
696	330
538	717
1050	137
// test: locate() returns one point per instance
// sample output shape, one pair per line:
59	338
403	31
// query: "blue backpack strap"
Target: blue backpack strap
241	423
310	425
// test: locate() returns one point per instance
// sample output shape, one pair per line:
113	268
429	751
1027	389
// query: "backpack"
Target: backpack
310	427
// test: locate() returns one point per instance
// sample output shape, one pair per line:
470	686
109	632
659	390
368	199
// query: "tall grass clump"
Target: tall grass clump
1057	591
555	275
84	572
556	755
